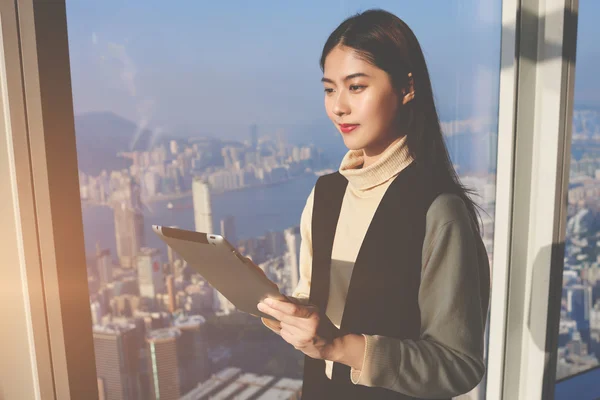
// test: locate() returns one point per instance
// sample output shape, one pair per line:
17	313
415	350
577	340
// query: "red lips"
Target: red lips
347	128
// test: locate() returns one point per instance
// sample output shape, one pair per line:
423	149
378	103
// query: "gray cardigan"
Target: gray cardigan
448	359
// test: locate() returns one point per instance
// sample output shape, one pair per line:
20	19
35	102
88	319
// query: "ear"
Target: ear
410	89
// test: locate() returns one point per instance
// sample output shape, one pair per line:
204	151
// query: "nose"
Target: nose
340	105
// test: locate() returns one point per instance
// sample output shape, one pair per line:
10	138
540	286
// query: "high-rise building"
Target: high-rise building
274	243
174	147
204	223
226	157
281	145
579	305
150	274
103	265
163	364
228	229
129	221
117	348
151	183
101	391
97	312
172	304
293	239
202	206
105	294
193	352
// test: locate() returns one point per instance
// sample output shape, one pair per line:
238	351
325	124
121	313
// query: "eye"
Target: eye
328	90
357	87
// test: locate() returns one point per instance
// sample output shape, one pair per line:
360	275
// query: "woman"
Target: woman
394	278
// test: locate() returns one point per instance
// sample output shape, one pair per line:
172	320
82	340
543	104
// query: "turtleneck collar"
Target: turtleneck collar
391	162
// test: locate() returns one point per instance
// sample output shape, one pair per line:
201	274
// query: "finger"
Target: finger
291	339
302	323
300	333
278	315
275	326
292	309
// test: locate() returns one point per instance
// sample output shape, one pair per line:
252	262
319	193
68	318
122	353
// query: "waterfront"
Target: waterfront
256	211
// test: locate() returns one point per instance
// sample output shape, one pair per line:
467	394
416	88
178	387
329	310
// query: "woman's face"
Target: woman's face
358	93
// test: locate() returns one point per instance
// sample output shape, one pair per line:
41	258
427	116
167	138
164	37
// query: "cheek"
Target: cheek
371	110
383	110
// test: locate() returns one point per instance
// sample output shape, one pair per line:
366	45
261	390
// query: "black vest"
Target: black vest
383	293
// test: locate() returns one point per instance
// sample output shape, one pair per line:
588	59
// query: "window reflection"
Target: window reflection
579	330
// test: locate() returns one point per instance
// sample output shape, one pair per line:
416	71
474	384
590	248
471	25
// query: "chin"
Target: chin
352	143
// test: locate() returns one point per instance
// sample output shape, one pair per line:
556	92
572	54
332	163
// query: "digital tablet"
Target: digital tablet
232	274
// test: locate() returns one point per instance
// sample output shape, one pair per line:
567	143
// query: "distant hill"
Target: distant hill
101	136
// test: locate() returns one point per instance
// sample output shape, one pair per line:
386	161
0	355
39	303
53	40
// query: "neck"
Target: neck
373	153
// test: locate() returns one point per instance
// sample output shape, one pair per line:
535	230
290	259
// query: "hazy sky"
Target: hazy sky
201	64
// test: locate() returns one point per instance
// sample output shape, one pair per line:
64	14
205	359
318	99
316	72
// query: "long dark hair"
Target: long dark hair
385	41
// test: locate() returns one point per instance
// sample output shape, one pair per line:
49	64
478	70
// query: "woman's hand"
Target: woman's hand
275	326
302	326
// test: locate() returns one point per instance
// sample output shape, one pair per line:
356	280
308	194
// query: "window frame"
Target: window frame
528	281
38	113
26	343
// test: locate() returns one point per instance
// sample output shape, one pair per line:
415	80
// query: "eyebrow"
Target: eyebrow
356	75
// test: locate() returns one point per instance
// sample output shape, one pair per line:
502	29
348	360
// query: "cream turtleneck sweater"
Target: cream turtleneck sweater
453	295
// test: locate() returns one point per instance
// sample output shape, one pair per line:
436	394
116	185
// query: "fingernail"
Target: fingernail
259	306
268	301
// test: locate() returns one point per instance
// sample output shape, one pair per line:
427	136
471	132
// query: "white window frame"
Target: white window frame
536	96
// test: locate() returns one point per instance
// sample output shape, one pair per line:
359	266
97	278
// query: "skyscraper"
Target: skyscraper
228	229
97	312
202	206
150	275
129	221
193	352
171	256
174	147
275	243
172	304
226	157
579	305
163	364
103	265
281	145
117	347
204	223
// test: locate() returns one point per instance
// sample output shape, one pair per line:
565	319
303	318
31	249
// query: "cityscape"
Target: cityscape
579	333
149	308
160	330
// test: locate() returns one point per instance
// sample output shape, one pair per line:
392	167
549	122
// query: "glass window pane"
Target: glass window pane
579	331
166	94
